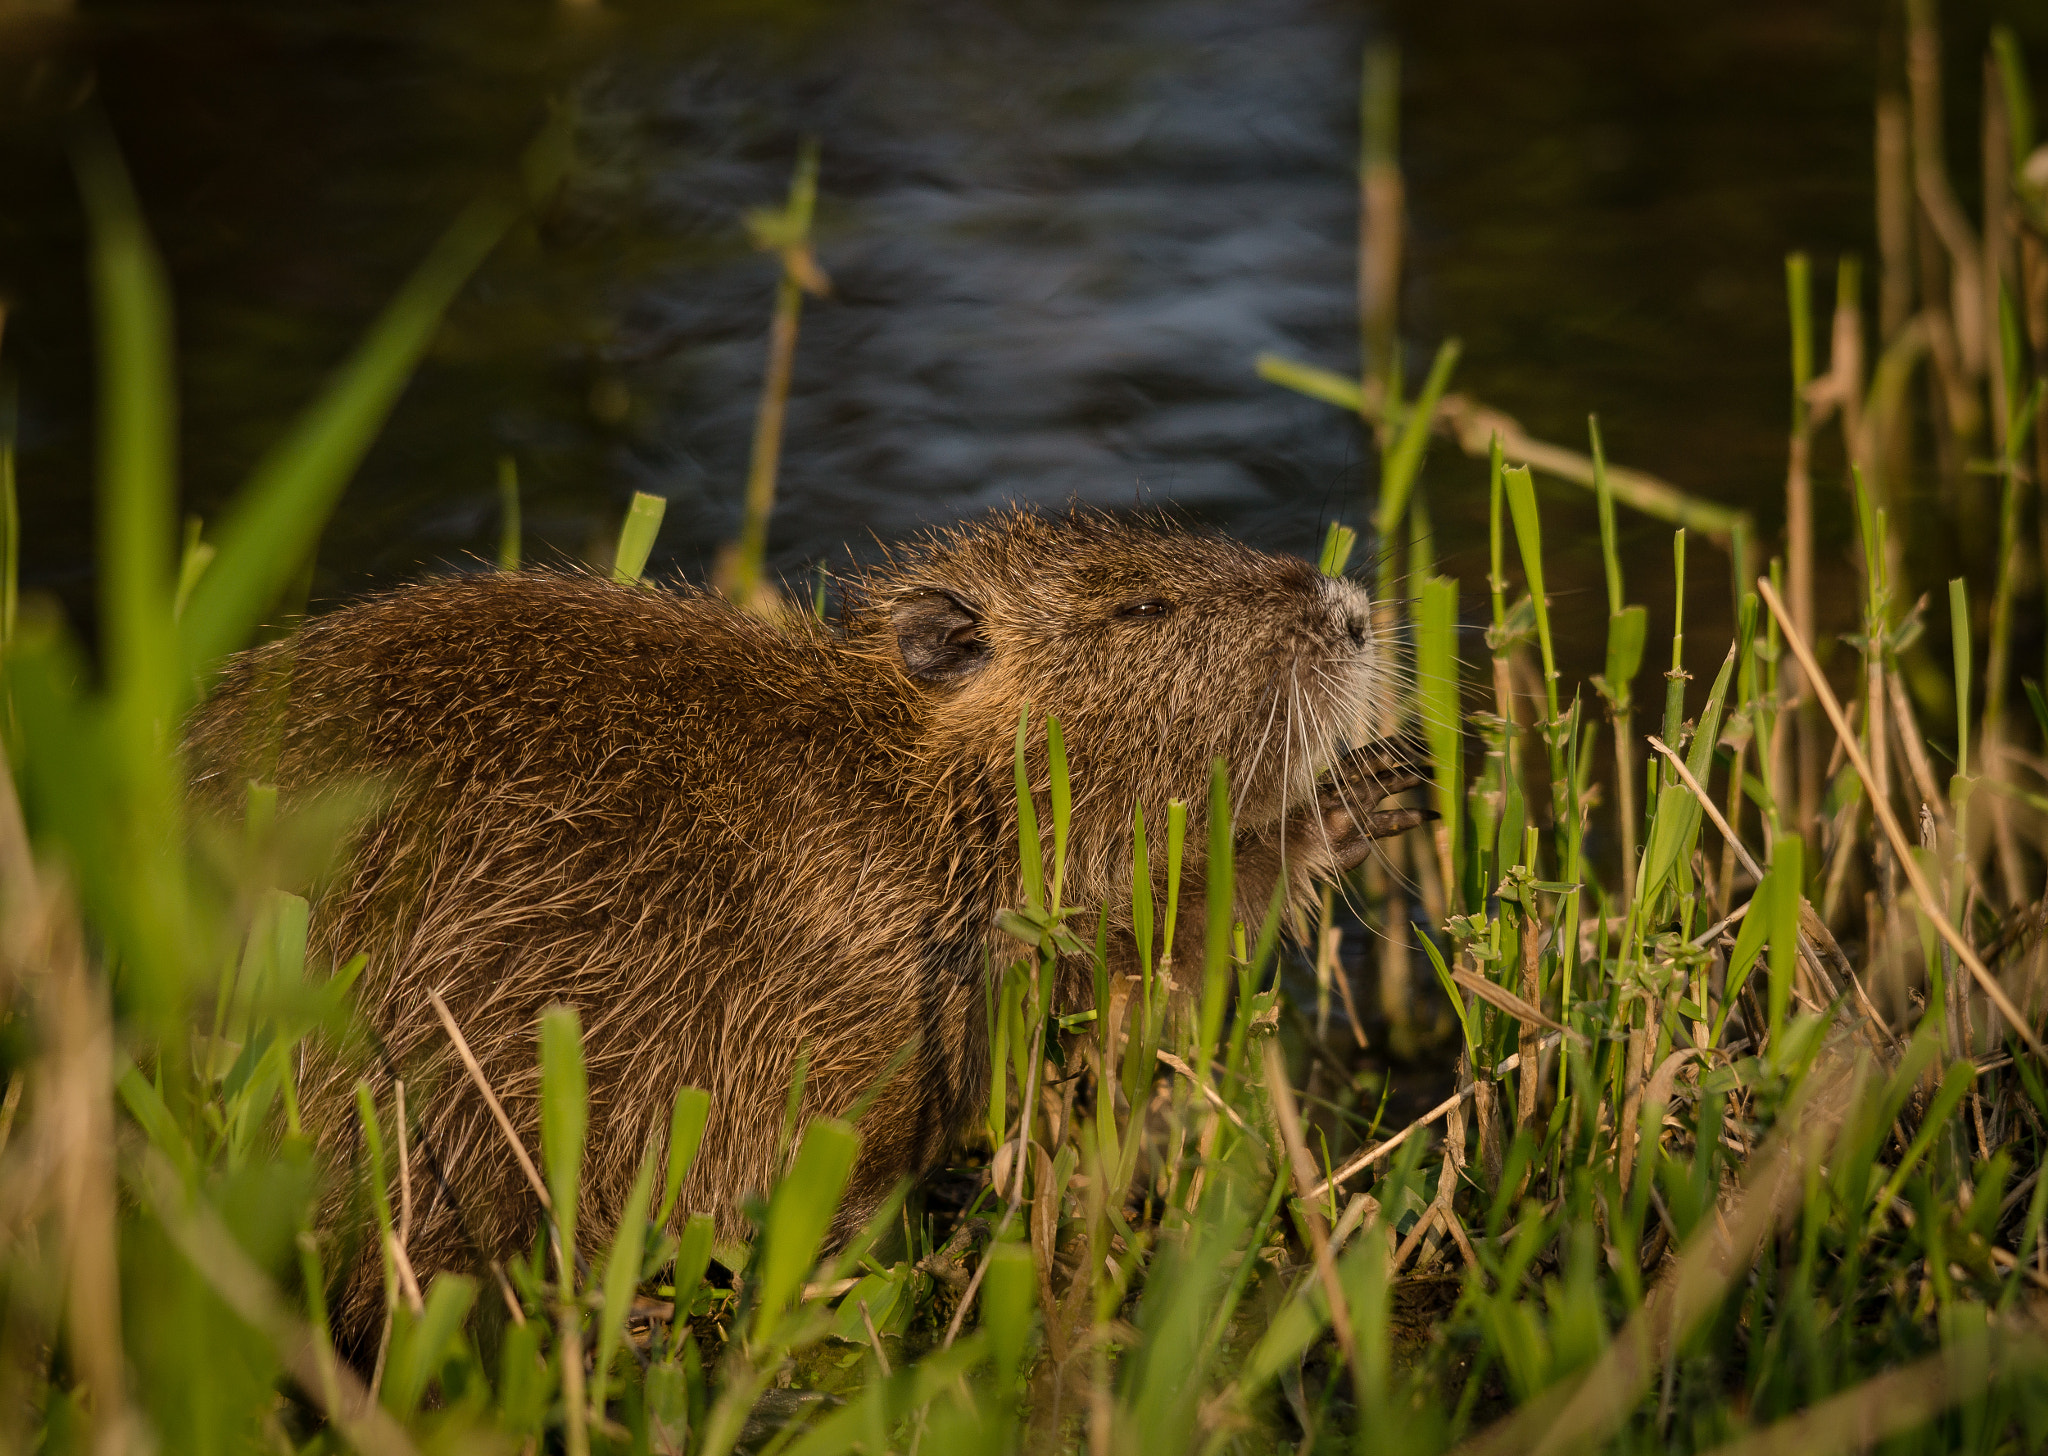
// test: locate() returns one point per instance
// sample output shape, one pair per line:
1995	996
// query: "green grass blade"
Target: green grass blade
153	935
1959	633
1324	384
137	431
10	530
636	537
621	1278
1674	687
1141	895
1603	492
1627	634
1009	1301
685	1134
1220	879
419	1348
1338	544
1699	758
1404	461
1062	804
1749	943
693	1257
1421	541
1788	855
2011	63
508	514
564	1110
380	1192
198	555
1437	691
1955	1083
1030	853
1176	849
799	1213
1521	494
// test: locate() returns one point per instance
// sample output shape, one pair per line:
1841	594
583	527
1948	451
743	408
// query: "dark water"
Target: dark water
1058	233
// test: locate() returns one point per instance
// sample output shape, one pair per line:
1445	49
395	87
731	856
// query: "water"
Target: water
1058	233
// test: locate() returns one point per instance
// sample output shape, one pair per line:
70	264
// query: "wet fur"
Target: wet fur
730	844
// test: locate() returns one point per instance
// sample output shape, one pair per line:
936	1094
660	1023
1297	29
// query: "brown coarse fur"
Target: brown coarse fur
733	846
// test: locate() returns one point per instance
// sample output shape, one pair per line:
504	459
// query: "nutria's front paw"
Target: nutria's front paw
1347	799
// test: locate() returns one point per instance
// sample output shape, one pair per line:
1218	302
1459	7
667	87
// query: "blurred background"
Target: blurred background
1057	236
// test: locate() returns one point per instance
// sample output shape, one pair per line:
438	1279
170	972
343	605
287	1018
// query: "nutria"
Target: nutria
729	844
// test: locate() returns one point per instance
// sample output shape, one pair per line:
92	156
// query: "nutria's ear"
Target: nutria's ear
939	638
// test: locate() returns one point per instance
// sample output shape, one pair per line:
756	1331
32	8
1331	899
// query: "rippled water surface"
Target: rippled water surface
1058	233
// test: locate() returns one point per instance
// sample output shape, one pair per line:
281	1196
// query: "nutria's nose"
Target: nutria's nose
1358	626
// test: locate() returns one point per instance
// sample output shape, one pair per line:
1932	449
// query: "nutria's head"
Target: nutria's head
1159	649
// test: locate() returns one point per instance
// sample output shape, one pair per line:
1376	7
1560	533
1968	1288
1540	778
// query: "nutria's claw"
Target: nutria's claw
1346	827
1395	821
1380	758
1359	781
1351	835
1368	774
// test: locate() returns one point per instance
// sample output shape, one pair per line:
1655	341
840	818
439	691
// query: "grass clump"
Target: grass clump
1740	1148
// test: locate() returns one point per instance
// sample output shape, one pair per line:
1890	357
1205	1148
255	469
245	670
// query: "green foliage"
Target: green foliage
1742	1184
636	537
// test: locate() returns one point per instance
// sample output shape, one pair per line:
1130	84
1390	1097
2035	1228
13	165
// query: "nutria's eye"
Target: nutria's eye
1150	607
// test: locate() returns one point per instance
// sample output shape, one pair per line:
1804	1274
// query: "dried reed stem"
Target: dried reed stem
1380	1151
1893	151
476	1075
1382	200
1930	903
1304	1169
1811	926
1799	541
787	233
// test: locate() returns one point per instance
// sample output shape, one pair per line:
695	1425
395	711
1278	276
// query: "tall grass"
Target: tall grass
1741	1151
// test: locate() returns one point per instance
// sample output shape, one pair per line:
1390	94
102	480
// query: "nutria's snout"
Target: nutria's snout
1354	613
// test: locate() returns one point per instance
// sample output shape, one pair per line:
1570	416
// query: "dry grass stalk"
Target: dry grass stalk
1342	978
1841	388
69	1170
1304	1170
1380	1151
75	1116
1937	198
1530	1073
1813	931
401	1237
1382	204
1799	547
1521	1008
785	232
1201	1084
1906	724
1878	735
483	1086
1930	902
1047	1192
1892	150
1474	425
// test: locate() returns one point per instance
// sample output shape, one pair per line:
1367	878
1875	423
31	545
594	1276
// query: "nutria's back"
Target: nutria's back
732	845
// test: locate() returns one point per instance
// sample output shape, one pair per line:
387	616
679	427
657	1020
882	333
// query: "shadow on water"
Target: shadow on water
1058	233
